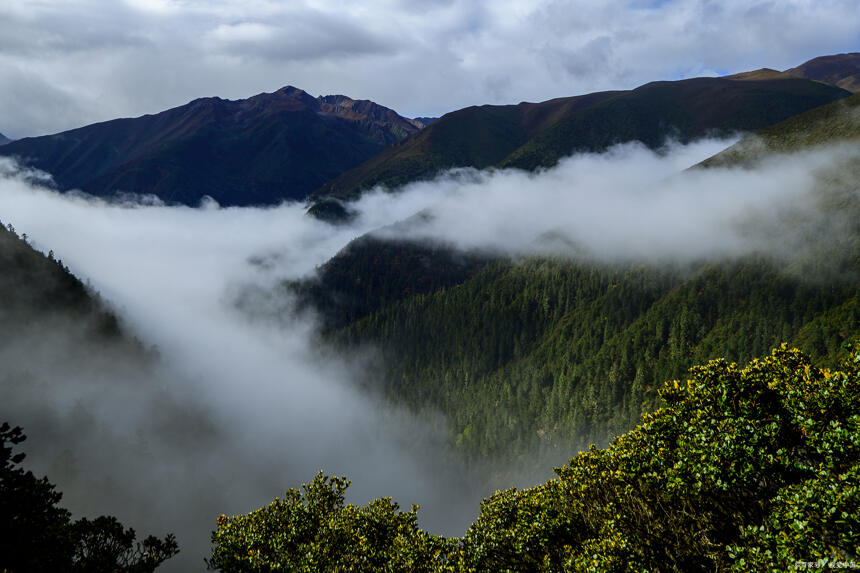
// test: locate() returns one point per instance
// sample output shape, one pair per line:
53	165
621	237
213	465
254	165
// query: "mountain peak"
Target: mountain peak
291	91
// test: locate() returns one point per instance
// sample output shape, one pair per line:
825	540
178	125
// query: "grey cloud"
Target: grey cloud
121	59
31	105
296	37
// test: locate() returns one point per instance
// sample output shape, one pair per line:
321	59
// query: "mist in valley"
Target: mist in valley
231	404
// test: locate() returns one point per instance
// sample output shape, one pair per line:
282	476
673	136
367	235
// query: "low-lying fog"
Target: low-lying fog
236	409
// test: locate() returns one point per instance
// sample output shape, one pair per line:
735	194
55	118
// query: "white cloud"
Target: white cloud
237	408
634	204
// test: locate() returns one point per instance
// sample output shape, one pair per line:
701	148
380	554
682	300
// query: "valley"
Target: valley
206	307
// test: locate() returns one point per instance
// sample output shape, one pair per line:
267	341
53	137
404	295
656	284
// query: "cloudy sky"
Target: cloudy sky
66	63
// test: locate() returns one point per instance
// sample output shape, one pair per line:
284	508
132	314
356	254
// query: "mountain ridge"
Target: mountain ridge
537	135
259	150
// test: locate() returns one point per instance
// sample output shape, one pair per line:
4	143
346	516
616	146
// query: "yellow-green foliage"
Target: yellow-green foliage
312	530
744	468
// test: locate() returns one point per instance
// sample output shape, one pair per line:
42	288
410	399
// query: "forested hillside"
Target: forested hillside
37	289
832	124
543	355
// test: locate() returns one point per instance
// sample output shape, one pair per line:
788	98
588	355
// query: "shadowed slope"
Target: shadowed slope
531	136
260	150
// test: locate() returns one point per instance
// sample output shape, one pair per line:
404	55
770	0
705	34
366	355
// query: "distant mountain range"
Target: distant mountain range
4	140
290	145
259	150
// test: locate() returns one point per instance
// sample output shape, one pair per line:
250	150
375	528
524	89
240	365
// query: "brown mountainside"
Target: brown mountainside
841	70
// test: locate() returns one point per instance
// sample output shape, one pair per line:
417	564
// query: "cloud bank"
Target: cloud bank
631	204
66	64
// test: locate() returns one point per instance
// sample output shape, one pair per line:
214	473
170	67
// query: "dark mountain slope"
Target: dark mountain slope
841	70
371	273
686	110
4	140
256	151
37	290
477	136
537	135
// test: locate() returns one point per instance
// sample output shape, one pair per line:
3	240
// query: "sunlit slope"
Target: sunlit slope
530	135
741	469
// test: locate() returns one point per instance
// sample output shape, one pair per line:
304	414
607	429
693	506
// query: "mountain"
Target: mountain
841	70
760	74
4	140
260	150
530	136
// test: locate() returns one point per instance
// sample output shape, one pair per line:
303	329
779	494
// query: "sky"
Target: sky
68	63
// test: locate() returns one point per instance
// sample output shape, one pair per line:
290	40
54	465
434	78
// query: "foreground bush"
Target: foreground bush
312	530
38	535
753	468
